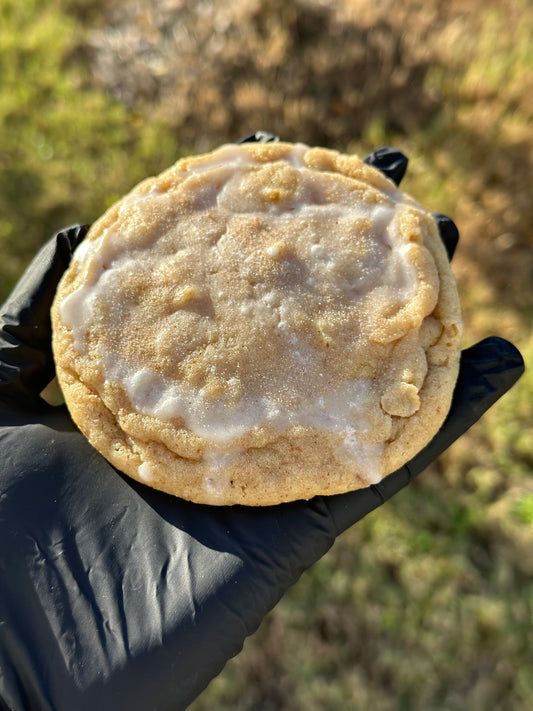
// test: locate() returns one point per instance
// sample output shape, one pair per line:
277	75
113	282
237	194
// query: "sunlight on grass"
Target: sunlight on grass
67	150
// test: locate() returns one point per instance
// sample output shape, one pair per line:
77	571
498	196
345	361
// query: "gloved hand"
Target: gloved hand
116	596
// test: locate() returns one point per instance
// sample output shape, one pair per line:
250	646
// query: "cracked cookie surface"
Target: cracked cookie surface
263	323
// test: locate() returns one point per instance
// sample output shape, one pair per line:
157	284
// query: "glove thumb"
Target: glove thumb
26	361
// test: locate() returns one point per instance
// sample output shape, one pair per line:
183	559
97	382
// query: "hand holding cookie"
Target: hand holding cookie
265	323
114	590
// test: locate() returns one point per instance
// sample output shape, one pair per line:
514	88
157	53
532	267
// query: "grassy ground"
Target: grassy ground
428	603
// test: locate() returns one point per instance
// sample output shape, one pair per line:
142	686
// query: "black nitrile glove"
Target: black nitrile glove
116	596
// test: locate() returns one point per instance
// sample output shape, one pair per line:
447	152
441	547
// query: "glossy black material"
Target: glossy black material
260	137
448	232
390	161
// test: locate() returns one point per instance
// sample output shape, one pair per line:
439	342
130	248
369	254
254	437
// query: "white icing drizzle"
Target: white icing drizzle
145	472
218	422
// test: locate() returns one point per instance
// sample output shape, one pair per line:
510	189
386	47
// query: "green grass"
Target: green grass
427	604
67	151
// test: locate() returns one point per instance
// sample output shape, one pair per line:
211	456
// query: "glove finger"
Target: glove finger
260	137
448	232
488	370
26	362
390	161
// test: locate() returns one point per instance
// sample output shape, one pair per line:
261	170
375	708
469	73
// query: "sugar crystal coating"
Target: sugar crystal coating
283	311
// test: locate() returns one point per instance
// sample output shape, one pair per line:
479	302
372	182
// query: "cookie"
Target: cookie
259	324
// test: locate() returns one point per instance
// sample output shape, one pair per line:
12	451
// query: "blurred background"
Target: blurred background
427	604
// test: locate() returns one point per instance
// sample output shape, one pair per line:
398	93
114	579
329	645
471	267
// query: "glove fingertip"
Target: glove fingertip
73	235
449	233
389	161
260	137
496	361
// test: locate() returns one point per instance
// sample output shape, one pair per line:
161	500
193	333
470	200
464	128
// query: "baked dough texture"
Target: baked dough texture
260	324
